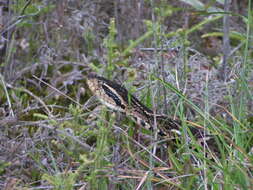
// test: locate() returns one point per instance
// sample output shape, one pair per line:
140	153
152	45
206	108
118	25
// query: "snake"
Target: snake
117	98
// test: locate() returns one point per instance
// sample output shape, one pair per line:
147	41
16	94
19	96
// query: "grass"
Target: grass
71	146
233	145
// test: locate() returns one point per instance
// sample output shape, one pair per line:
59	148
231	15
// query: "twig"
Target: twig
142	181
7	96
226	43
84	145
34	96
58	91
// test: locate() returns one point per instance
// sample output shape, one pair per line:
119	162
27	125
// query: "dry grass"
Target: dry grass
55	135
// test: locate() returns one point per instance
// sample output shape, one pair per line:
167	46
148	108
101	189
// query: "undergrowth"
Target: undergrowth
69	141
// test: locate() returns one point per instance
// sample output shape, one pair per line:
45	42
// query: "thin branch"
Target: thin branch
226	43
7	96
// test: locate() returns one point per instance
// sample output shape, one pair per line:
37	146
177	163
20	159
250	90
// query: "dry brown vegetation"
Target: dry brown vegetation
54	135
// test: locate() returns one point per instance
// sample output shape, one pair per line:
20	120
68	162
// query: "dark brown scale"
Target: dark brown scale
113	96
